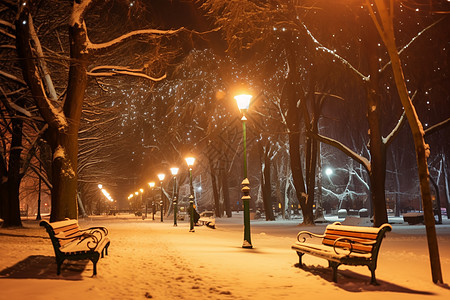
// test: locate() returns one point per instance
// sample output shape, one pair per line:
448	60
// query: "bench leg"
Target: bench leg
300	264
94	260
373	280
106	249
59	263
334	265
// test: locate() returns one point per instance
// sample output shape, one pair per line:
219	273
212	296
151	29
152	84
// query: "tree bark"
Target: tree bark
267	187
377	172
386	30
65	144
11	205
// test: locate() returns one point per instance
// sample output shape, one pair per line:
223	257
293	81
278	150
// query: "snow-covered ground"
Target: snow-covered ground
150	259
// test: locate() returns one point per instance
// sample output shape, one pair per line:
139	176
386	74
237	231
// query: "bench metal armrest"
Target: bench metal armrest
92	242
101	231
350	241
304	234
79	238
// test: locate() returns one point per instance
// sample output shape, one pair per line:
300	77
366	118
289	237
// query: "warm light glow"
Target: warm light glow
151	184
161	176
190	161
243	101
100	186
131	196
136	193
141	190
174	171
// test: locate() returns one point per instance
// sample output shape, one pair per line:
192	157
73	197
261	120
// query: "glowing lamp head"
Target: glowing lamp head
328	171
190	161
161	176
141	190
151	184
136	193
243	101
100	186
174	171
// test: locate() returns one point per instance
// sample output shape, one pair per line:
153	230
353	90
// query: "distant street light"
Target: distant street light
328	171
243	103
152	185
174	172
190	162
141	202
161	177
105	193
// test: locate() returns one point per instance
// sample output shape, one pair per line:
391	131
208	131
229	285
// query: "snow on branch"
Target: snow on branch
342	60
387	140
411	41
437	127
362	160
12	106
131	34
109	71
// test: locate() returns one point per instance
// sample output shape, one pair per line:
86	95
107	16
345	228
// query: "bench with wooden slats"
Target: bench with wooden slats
71	242
341	244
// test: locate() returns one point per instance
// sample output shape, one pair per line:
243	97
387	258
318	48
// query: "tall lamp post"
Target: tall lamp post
174	172
141	192
190	162
243	102
161	177
152	185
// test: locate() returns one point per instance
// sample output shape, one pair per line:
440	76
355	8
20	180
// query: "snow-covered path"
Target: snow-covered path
149	259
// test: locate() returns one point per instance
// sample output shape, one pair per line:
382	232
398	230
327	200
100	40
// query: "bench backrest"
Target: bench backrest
66	229
370	235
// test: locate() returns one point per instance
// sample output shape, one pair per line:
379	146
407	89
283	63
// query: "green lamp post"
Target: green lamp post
174	172
161	177
152	185
243	102
190	162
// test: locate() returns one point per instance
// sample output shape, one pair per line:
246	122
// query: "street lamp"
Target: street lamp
152	185
174	172
141	202
161	177
243	103
190	162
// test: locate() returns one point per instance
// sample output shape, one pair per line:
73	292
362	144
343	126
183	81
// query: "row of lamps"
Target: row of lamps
243	102
161	176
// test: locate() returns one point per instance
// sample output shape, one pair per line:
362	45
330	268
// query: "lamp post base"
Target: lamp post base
247	245
191	214
246	200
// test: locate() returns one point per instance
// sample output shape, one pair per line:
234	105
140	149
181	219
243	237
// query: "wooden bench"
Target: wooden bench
341	244
72	243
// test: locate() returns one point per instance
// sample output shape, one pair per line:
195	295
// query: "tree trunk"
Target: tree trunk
11	205
422	149
293	124
225	189
65	144
212	172
266	187
377	172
